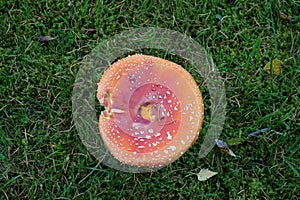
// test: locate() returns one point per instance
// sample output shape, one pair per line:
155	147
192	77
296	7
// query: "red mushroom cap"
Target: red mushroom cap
153	110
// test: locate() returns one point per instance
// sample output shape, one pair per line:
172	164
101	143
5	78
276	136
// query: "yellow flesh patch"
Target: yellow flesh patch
146	112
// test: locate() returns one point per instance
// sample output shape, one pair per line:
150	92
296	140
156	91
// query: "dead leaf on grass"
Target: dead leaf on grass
235	141
205	174
45	38
224	147
258	132
274	67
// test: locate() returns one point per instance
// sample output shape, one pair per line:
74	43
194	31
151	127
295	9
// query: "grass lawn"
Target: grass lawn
41	154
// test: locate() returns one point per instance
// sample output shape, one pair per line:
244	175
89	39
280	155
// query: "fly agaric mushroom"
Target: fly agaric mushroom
153	110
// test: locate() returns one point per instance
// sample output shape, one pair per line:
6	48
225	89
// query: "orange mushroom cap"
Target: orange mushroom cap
153	110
